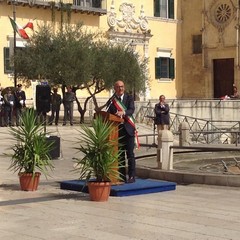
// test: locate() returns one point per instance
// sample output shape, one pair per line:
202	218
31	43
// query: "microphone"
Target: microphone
109	102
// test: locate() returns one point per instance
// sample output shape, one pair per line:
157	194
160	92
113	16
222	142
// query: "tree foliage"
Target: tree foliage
83	59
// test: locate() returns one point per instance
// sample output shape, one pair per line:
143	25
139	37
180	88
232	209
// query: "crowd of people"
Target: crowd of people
11	104
13	101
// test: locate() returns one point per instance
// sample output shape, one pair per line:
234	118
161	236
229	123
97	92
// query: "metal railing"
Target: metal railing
201	130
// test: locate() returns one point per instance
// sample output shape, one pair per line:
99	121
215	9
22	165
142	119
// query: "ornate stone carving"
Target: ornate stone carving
221	13
127	21
130	31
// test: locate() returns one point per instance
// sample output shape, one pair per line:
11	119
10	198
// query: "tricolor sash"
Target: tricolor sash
121	107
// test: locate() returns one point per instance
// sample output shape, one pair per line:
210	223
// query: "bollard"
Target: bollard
184	134
165	140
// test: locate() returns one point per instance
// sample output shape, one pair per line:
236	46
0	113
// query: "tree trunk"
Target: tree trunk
81	111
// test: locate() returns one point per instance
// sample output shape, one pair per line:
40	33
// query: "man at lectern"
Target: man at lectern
122	105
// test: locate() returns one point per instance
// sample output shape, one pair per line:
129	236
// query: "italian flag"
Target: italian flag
21	30
29	24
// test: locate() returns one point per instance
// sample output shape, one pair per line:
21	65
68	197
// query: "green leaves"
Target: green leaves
31	151
74	56
99	152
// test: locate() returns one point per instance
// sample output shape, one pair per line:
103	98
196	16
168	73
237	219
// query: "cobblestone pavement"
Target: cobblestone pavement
190	212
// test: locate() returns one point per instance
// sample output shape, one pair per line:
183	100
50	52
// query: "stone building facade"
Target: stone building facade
193	46
149	26
210	47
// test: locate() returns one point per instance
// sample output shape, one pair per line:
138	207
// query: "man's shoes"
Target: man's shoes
64	124
131	180
71	124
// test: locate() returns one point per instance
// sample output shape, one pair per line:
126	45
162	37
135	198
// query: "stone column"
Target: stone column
167	141
164	158
184	134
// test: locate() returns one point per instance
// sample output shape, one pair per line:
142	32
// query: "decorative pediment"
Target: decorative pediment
127	21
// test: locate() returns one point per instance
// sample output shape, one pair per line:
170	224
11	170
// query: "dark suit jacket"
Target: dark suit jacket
162	114
18	97
129	104
56	101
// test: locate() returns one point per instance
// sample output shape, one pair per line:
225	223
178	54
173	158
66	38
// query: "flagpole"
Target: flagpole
14	44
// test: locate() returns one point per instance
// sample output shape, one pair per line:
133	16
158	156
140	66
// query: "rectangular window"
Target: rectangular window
87	3
164	8
196	44
96	3
7	64
164	68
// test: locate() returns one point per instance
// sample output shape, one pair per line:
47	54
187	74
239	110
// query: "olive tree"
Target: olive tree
82	59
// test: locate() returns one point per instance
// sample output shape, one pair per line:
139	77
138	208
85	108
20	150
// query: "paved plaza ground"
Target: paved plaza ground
190	212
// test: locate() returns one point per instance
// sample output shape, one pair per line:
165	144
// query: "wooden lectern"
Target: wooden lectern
113	136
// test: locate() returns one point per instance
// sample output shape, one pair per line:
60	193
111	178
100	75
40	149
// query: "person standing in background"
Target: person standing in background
68	99
162	118
9	101
56	101
235	93
20	98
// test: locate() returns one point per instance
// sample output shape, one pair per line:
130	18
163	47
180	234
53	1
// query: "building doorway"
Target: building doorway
223	74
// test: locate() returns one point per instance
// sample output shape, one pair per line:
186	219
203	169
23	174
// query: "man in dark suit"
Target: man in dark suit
162	114
68	98
56	101
122	105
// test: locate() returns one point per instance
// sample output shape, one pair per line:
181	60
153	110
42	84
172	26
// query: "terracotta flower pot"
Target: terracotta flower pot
28	182
99	191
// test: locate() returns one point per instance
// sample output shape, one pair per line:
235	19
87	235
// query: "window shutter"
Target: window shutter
197	44
171	9
171	68
156	8
157	68
7	66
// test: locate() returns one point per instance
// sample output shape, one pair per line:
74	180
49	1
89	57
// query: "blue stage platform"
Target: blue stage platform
141	186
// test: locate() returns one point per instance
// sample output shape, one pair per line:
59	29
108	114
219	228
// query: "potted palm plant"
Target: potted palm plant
98	165
30	155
